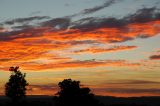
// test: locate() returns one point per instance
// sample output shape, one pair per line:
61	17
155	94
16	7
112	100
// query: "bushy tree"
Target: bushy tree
71	94
15	88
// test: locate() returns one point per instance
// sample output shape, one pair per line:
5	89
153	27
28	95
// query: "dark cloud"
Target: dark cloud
38	42
23	20
155	57
4	59
92	23
144	15
83	42
141	16
57	23
76	42
20	27
24	33
1	29
97	8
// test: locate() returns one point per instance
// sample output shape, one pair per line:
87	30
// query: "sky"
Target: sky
111	46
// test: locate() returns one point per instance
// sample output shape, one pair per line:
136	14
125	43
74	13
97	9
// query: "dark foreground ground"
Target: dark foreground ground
106	100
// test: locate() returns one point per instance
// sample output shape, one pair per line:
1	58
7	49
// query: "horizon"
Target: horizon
110	46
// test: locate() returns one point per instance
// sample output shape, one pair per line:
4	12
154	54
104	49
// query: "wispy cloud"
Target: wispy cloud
97	8
57	23
91	10
155	57
78	64
101	50
48	89
24	20
131	82
134	91
144	15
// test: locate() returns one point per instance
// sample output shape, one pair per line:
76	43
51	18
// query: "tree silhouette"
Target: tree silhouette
15	88
71	94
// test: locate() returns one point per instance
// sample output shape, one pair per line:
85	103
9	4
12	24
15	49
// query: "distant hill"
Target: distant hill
107	100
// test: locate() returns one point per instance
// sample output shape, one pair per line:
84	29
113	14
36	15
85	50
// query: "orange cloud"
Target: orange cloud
26	49
35	43
100	50
50	89
77	64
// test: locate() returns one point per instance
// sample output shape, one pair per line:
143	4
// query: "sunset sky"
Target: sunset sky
111	46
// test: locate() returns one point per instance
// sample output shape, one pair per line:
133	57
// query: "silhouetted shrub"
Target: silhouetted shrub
15	88
71	94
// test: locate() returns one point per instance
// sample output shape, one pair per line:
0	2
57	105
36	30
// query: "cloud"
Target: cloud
155	57
28	49
88	11
78	64
132	82
154	91
2	29
43	40
24	20
100	50
110	30
24	33
57	23
22	27
122	88
47	89
92	23
127	87
78	42
33	87
97	8
4	59
143	15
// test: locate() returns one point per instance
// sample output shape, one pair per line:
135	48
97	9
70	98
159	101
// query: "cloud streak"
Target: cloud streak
97	8
25	20
79	64
101	50
48	89
127	87
155	57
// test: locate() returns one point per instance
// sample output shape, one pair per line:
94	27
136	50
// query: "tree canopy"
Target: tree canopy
71	94
15	88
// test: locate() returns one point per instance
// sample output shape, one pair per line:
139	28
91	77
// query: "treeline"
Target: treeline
70	93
